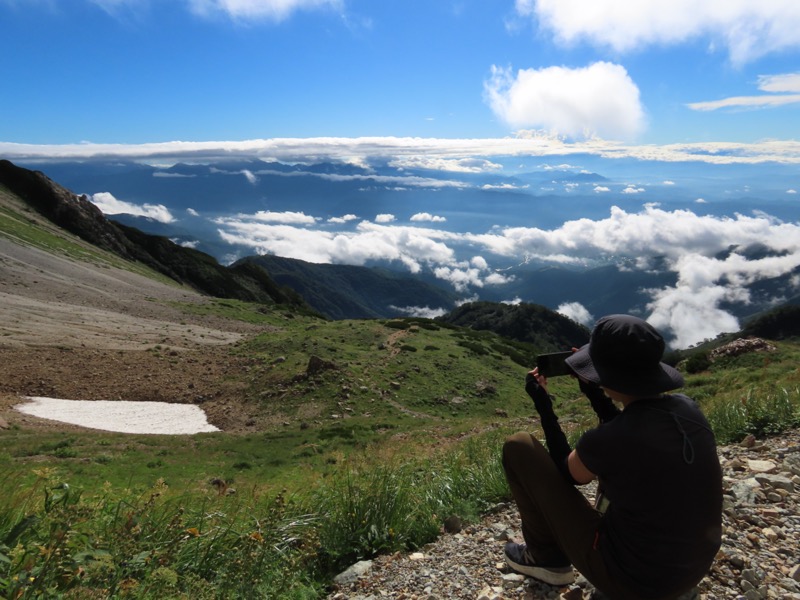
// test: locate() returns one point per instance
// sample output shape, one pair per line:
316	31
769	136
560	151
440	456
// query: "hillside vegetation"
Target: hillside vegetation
342	439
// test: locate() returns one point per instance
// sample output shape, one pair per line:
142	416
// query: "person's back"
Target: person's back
658	468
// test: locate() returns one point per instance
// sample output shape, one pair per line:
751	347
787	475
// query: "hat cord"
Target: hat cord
688	448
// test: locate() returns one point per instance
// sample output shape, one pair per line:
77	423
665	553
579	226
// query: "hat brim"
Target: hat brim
653	381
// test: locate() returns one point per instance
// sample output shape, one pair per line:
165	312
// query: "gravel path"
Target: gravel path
759	558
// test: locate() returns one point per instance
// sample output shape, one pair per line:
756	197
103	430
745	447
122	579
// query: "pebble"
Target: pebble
759	558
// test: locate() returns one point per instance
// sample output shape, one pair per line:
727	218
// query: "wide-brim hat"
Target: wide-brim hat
624	354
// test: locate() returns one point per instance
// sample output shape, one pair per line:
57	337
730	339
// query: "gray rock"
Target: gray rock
352	573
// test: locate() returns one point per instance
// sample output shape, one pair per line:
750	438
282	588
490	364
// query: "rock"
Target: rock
748	442
794	572
745	491
775	482
3	423
352	573
512	580
316	365
761	466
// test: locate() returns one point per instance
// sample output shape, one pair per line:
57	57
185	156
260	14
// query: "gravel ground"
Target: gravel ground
759	558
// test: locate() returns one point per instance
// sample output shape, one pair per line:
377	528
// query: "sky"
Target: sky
447	85
646	72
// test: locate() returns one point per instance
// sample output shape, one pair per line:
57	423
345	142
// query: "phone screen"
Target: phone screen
553	365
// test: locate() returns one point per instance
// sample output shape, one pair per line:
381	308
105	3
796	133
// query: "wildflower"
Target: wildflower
257	536
193	531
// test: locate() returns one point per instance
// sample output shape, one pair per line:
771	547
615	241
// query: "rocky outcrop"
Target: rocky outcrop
77	215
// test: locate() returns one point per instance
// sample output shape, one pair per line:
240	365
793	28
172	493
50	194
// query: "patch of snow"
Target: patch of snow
121	416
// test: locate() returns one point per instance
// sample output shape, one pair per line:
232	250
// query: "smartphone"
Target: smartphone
552	365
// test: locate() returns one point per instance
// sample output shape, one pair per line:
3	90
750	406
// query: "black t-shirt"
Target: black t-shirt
658	467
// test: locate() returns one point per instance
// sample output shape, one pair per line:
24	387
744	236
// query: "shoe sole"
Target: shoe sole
553	575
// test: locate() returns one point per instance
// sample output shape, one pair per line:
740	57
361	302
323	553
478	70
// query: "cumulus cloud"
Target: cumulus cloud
110	205
470	274
598	100
289	217
632	189
425	312
343	219
577	312
690	244
192	212
601	188
273	10
385	218
709	277
747	30
424	216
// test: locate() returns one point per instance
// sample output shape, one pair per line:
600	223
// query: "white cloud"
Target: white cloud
787	82
632	189
456	165
692	309
791	191
273	10
514	302
667	182
249	176
577	312
287	217
601	188
504	186
747	30
423	216
525	143
385	218
425	312
701	201
110	205
343	219
193	212
598	100
746	102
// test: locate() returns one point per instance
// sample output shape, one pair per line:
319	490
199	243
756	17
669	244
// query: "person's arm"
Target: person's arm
557	444
578	470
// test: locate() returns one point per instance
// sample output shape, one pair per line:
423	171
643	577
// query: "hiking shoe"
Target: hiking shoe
518	559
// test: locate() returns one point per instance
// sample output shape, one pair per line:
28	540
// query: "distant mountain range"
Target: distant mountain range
340	291
199	194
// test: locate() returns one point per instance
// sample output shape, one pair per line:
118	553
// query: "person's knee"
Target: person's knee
519	445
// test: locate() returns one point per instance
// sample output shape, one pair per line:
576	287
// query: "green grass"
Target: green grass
369	455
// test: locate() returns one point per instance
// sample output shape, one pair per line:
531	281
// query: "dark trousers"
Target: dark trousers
559	524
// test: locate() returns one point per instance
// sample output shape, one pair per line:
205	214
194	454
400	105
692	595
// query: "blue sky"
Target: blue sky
650	72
